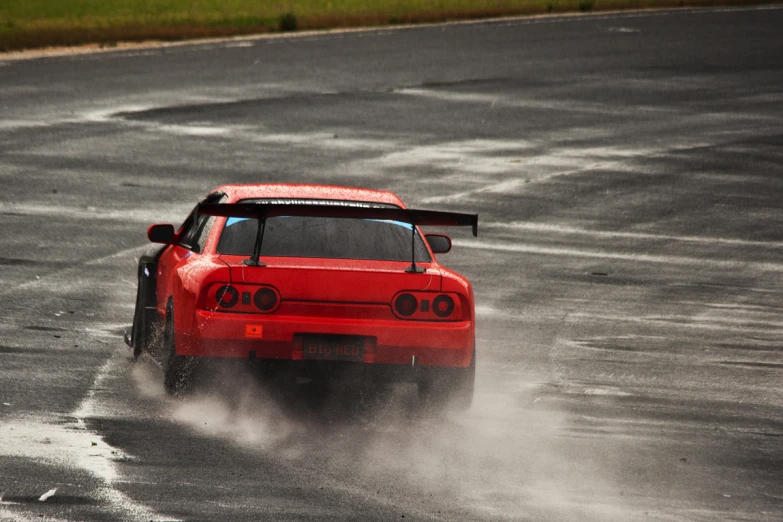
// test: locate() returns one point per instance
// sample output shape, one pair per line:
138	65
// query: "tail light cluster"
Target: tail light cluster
427	306
242	298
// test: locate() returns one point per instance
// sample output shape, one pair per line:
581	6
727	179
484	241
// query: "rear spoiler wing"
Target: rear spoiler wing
414	217
407	215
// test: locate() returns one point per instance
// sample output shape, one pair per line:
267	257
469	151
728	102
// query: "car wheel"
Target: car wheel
448	388
138	338
177	369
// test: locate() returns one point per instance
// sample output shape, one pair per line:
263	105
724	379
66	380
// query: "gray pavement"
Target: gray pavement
628	173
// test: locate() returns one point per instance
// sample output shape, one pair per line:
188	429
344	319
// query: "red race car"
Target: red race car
317	276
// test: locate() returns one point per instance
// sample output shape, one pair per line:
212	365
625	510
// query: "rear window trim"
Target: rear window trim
327	202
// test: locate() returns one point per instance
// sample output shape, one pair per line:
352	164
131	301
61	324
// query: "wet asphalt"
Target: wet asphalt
628	174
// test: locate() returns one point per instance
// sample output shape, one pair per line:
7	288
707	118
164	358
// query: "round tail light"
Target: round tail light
265	299
406	305
227	296
443	306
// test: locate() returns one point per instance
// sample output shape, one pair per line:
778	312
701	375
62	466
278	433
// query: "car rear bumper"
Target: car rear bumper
395	342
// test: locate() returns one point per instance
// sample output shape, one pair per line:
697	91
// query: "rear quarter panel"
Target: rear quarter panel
457	283
188	278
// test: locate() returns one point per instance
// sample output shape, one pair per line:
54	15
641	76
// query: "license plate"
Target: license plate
333	347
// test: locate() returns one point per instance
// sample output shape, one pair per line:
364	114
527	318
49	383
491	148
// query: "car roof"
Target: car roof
236	192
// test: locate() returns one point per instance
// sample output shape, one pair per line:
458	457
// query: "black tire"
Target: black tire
138	330
177	369
143	331
447	389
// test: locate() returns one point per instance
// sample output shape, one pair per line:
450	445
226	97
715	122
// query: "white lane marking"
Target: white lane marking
70	445
75	445
611	15
105	467
608	234
638	258
47	495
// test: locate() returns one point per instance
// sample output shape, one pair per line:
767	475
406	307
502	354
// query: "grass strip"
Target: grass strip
35	24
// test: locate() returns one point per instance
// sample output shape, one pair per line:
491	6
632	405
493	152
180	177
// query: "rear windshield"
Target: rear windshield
323	237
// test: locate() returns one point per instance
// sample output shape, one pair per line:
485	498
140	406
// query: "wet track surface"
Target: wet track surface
628	173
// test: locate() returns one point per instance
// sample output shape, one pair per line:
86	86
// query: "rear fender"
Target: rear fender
189	282
454	282
144	316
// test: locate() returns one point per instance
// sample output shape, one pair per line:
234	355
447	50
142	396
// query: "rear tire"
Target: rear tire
444	389
177	369
143	333
138	337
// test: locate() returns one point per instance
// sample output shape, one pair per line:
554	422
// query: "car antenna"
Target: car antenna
413	269
254	259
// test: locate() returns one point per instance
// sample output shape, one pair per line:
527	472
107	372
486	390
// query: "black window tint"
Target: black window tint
338	238
196	229
186	230
207	227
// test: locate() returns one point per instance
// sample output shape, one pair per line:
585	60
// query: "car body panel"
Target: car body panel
349	297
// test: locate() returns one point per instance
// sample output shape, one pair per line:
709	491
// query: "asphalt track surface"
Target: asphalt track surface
628	173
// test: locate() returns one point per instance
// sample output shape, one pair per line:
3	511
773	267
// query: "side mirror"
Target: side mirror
439	243
161	234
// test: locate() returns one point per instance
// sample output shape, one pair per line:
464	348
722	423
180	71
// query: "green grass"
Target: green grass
43	23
